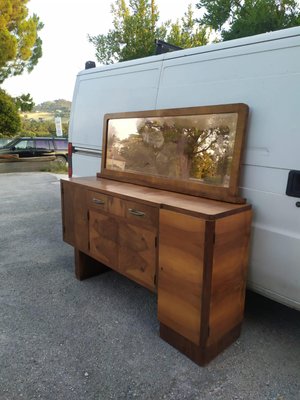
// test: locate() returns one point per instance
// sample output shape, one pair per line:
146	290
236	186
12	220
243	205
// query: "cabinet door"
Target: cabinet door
74	215
103	230
180	273
137	254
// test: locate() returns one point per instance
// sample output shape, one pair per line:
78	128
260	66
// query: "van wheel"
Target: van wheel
61	160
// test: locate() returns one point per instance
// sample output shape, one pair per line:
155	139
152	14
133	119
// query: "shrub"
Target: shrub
10	122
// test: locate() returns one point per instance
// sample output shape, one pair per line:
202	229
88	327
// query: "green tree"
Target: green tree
20	45
174	148
236	19
135	28
24	102
32	127
186	34
10	122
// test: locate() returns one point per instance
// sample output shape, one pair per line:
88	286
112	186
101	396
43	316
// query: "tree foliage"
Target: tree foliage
32	127
24	102
186	33
135	28
20	45
9	117
175	148
236	19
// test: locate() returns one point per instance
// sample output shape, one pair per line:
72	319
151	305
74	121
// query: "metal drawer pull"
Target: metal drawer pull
136	212
98	201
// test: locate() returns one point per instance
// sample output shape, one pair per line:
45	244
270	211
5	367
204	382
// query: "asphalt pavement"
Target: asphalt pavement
61	339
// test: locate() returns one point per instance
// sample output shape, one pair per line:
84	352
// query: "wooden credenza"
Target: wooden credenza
191	251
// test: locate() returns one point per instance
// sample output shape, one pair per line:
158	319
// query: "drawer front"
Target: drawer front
141	214
97	200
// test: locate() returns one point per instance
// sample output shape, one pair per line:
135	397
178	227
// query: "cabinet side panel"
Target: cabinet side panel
229	274
67	212
181	246
75	220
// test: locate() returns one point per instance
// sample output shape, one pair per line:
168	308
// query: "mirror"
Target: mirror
198	148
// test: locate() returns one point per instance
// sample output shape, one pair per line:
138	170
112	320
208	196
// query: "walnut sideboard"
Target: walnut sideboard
191	251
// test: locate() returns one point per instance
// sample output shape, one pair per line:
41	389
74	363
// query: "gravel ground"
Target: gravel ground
98	339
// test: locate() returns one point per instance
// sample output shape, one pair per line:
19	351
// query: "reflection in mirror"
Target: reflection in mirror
192	147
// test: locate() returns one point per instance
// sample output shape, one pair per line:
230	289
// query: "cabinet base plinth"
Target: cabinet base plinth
86	266
201	355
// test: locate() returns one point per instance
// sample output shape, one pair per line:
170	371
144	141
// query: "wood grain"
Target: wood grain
192	187
197	206
104	238
74	215
200	260
137	254
229	274
181	248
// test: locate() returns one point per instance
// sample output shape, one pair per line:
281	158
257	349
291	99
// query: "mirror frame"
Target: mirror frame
228	193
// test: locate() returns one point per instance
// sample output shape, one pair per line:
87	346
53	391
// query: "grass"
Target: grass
56	167
37	116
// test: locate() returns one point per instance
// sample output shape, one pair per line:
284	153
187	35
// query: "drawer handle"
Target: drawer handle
98	201
136	213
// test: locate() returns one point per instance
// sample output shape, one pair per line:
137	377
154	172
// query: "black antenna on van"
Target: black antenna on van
164	47
90	64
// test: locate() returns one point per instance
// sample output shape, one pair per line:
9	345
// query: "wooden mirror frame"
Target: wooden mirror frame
228	193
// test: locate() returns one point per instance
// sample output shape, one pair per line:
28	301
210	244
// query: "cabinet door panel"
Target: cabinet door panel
103	238
137	254
229	274
180	275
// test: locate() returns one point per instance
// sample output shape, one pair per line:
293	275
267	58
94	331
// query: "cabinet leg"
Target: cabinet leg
86	266
201	355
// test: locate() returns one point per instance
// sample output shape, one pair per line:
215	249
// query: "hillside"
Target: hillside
48	110
54	107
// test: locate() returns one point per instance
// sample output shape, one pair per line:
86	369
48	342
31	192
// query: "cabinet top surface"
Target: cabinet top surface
193	205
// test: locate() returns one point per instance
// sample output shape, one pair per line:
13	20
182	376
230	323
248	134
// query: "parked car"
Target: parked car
37	147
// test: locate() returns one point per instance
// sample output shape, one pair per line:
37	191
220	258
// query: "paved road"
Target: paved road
61	339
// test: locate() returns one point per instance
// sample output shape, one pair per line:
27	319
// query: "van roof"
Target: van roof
264	37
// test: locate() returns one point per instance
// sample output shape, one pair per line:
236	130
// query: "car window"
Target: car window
42	144
24	144
61	144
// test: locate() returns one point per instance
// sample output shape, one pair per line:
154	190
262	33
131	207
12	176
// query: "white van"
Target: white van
262	71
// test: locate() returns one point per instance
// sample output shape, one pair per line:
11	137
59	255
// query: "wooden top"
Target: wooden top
197	206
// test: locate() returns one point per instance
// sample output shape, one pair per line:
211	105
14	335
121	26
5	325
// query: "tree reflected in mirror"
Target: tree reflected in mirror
191	147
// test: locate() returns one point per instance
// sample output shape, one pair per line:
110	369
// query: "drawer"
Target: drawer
97	200
140	213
